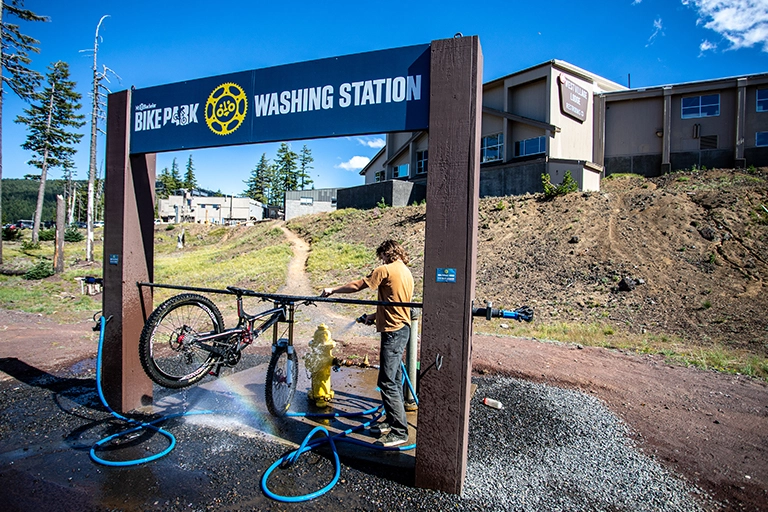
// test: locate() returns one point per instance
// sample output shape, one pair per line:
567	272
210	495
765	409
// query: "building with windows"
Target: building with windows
305	202
223	210
711	123
556	118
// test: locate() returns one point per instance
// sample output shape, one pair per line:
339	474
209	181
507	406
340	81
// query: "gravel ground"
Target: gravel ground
548	449
556	449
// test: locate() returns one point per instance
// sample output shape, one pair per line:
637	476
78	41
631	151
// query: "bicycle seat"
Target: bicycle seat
238	291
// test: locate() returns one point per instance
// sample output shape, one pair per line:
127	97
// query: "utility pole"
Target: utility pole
97	77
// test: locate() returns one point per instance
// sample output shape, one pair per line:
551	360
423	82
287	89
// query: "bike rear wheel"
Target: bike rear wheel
282	377
167	348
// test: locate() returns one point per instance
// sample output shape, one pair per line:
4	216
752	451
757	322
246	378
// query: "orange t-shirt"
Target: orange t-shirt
395	284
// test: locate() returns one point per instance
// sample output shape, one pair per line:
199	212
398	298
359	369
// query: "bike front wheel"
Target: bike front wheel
282	377
168	349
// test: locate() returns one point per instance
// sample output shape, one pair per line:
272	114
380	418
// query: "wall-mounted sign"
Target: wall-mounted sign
574	99
365	93
446	275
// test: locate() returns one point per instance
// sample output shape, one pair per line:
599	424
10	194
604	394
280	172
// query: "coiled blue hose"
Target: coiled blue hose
288	459
308	444
140	425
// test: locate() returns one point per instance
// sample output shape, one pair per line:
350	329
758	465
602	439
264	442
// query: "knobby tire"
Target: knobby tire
281	382
167	349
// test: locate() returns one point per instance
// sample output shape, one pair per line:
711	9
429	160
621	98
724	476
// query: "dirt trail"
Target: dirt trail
309	317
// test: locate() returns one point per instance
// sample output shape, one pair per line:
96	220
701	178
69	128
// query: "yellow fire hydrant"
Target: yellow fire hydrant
319	361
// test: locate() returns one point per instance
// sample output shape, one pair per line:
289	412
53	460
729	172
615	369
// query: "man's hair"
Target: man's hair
390	251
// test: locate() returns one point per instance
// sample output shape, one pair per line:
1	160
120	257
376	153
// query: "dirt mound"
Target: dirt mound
683	256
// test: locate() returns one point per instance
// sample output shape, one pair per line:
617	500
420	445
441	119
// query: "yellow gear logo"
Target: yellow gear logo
226	108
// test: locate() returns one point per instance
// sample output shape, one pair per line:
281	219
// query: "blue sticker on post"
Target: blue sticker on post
114	259
446	275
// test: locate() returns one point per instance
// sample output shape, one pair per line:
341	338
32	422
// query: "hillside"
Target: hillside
675	265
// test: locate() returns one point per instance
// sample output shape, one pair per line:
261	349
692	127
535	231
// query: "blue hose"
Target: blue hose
140	425
308	444
289	459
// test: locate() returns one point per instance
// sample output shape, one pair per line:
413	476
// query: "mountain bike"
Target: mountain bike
184	340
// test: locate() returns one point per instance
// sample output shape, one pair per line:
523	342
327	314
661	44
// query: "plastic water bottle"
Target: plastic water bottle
490	402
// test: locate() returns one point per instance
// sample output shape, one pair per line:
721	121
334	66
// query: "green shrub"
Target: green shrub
382	205
566	187
41	270
29	245
11	233
72	234
47	235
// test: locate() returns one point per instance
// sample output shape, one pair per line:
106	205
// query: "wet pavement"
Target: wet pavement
50	423
548	449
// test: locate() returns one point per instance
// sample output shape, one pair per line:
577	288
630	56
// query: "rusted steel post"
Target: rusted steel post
128	259
449	266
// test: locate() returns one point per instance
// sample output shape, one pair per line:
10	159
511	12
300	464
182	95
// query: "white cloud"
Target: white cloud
744	23
355	163
375	143
657	29
635	2
706	46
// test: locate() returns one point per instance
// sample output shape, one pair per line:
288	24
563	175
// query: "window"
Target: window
421	162
400	171
762	100
492	148
532	146
307	201
761	139
701	106
379	176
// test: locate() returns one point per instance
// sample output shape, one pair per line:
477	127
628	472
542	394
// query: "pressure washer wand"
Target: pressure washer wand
523	313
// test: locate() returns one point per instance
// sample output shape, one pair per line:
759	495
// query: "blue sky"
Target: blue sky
650	42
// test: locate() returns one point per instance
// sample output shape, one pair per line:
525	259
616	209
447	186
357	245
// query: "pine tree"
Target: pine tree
48	122
286	167
190	182
14	70
165	179
305	161
175	181
259	183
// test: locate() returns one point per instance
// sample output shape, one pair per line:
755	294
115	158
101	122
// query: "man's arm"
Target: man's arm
350	287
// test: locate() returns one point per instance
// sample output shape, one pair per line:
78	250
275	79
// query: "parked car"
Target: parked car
81	224
25	224
98	223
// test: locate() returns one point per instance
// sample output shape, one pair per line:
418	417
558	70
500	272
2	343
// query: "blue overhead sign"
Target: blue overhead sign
365	93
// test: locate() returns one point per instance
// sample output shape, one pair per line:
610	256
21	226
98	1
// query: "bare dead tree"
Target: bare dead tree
97	112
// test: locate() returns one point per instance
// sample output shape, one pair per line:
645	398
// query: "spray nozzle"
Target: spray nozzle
362	319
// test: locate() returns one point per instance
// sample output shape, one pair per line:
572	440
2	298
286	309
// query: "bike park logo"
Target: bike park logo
226	108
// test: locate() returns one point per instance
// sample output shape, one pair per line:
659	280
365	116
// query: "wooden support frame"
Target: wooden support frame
450	243
129	198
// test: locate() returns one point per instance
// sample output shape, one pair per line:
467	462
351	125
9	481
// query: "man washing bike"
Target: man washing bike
394	283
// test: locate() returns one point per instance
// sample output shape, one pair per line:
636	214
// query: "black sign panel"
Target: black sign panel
375	92
574	99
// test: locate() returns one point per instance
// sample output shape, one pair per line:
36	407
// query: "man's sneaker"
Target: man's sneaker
391	439
381	428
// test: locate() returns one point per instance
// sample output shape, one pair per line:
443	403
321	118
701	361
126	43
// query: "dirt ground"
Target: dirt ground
710	428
